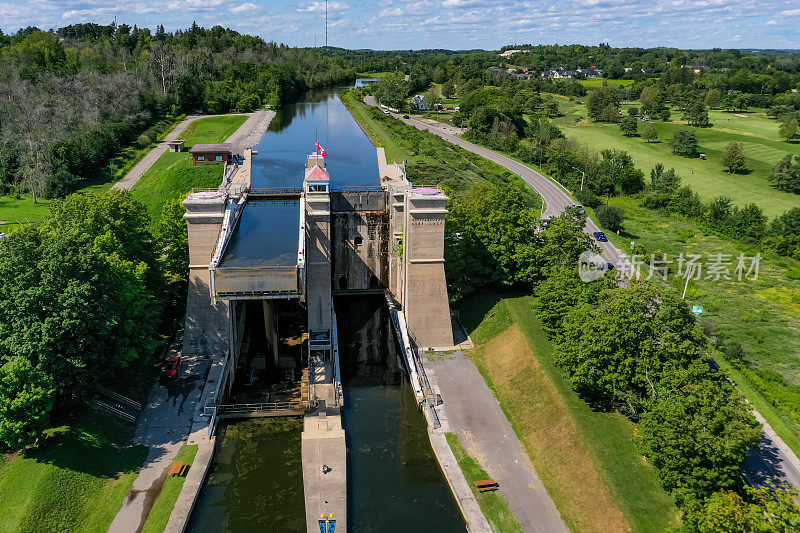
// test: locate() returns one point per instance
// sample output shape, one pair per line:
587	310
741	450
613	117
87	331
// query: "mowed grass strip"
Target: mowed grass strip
212	129
162	508
76	483
173	176
589	461
493	505
378	135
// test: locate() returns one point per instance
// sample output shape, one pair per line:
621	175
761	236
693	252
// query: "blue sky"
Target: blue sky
454	24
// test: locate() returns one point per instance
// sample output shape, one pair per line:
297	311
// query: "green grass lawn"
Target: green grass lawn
76	483
212	129
757	133
162	508
173	176
600	452
429	160
762	315
493	505
599	82
375	131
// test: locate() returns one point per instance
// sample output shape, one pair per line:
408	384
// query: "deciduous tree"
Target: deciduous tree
26	398
733	157
789	128
629	126
650	133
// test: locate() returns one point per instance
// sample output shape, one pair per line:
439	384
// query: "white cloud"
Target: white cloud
791	13
247	7
319	7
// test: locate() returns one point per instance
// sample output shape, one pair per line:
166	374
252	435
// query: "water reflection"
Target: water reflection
394	482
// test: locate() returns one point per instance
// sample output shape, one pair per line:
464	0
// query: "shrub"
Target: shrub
588	198
610	217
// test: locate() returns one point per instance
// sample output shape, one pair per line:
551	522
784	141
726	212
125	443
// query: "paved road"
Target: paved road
474	414
773	458
555	199
163	427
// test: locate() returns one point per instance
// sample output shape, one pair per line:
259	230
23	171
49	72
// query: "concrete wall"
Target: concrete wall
425	300
318	261
207	326
271	329
360	250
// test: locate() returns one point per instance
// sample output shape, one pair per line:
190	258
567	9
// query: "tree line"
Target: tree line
82	296
73	98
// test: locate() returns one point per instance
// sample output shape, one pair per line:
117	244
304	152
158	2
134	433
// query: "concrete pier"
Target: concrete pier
323	443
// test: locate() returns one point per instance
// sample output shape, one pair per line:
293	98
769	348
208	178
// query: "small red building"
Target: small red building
210	153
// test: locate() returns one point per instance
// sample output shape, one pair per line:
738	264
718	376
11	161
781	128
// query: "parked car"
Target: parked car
600	236
609	266
172	367
406	116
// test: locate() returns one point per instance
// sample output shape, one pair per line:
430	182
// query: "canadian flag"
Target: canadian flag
322	150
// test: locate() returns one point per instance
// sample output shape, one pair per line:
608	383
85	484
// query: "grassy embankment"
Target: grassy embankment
173	175
429	159
162	508
589	461
757	133
75	482
493	505
16	212
762	316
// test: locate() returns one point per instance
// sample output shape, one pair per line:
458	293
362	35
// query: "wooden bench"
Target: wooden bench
177	468
485	485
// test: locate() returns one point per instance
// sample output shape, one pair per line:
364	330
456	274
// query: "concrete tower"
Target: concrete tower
206	323
424	287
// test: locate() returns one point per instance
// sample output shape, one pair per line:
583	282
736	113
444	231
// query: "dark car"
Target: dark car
609	266
406	116
600	236
172	367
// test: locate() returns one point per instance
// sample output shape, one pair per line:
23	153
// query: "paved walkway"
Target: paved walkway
163	427
237	138
474	414
325	493
152	156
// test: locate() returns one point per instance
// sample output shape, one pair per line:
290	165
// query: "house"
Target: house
418	103
496	71
177	145
558	74
698	68
210	153
591	72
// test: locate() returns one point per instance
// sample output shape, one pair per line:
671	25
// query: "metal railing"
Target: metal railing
248	408
256	191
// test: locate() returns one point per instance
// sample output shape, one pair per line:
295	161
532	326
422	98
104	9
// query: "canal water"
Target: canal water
394	480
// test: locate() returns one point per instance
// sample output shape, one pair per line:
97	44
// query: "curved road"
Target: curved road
555	199
774	459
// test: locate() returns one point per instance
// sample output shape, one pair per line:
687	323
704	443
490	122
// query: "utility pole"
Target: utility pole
583	175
